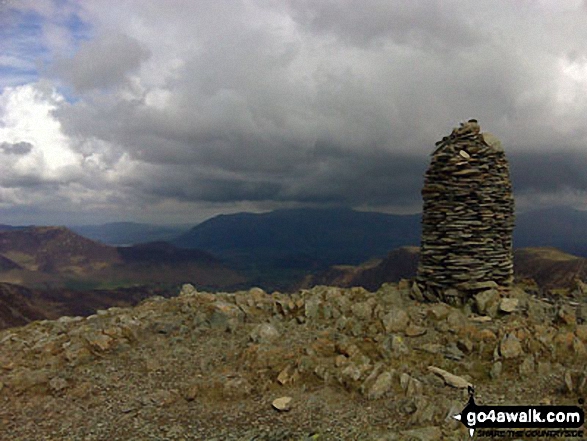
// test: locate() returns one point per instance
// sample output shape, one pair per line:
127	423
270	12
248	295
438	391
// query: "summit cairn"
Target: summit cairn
468	217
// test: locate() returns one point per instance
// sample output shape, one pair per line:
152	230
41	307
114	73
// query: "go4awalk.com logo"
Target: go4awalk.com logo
536	421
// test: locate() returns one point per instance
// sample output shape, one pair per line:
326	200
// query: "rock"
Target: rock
510	346
24	379
416	293
187	289
415	331
544	368
496	369
161	398
579	347
288	375
528	367
362	310
282	404
456	320
432	348
412	387
581	332
99	341
508	305
191	392
439	311
264	333
396	320
398	346
225	315
569	386
450	379
465	345
567	314
485	300
76	353
236	388
312	307
452	352
381	387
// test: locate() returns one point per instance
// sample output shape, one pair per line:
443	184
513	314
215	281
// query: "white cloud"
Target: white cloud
27	118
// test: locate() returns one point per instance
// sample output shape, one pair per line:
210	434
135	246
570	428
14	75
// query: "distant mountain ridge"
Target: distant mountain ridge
56	256
128	233
328	235
548	267
284	244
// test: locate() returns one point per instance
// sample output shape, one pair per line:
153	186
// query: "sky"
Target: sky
175	111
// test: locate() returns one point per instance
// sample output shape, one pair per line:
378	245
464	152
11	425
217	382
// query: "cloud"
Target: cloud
215	106
102	63
17	148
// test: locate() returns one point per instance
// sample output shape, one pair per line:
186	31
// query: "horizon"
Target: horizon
256	106
193	224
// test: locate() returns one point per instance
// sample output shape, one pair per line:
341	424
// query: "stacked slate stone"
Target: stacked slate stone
468	217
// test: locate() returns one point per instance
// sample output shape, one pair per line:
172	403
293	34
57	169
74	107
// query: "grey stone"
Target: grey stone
508	305
496	369
528	367
381	387
510	346
396	320
282	404
450	379
264	332
485	299
362	310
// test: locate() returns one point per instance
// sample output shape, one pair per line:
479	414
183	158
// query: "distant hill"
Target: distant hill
275	249
128	233
55	250
56	256
20	305
549	267
400	263
17	307
301	240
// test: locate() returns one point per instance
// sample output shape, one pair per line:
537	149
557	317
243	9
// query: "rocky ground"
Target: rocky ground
320	364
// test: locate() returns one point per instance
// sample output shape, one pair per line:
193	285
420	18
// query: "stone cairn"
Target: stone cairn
468	217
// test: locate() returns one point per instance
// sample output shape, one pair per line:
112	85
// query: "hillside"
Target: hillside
20	305
401	263
54	249
283	245
57	257
128	233
324	235
345	364
549	267
277	249
17	306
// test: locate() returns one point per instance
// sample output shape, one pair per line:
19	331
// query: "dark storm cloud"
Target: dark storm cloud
334	102
103	62
548	171
325	175
17	148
